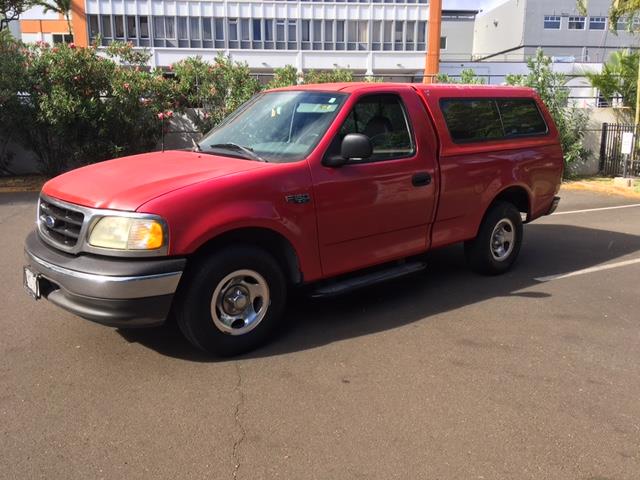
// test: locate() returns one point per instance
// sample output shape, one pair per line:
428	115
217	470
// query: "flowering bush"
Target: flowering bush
216	89
71	106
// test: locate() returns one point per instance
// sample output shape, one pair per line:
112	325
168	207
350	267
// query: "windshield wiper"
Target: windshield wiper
239	148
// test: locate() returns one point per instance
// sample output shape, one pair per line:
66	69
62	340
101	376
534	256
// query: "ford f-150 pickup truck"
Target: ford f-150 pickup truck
331	187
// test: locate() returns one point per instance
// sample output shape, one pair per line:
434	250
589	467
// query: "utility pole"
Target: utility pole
432	61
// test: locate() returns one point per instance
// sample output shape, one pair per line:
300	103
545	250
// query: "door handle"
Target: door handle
421	179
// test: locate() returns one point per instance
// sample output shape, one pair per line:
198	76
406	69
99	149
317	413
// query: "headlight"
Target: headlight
125	233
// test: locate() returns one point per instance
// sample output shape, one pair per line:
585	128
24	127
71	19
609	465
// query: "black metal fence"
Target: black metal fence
612	161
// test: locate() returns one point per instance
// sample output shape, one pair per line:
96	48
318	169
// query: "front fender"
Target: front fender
202	212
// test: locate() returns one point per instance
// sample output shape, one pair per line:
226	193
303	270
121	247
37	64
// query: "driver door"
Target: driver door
379	209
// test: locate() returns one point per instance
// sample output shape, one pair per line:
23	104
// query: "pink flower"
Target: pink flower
169	113
72	45
161	116
171	67
76	78
126	86
55	49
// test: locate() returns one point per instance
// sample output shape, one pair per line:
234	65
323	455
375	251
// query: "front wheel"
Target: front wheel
232	301
498	242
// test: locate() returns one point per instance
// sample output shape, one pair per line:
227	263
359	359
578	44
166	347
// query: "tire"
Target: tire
498	242
232	301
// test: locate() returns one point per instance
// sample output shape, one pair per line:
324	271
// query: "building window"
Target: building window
422	35
158	27
292	35
170	26
621	24
328	34
218	23
94	29
305	34
397	39
257	30
410	33
376	33
131	26
62	38
232	26
118	22
106	26
268	34
280	43
576	23
340	35
552	22
357	35
207	29
387	42
144	26
194	27
183	34
317	34
597	23
443	43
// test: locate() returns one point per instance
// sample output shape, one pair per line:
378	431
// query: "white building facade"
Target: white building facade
368	36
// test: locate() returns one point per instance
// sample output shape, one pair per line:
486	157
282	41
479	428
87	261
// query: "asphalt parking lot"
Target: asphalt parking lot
444	375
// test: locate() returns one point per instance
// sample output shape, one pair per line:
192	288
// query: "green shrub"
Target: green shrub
216	89
467	77
71	106
13	81
288	76
284	77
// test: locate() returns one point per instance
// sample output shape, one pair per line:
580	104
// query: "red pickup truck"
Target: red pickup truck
332	187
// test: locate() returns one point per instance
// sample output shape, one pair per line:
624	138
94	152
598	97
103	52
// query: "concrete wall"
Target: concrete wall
459	35
500	29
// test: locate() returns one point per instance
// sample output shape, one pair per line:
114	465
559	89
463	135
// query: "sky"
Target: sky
470	4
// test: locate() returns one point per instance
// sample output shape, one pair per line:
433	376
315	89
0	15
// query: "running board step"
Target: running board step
339	287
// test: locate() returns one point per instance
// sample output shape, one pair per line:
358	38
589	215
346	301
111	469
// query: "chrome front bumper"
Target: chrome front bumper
115	292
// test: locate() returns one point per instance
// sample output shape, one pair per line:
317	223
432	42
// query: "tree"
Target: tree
619	78
11	10
63	7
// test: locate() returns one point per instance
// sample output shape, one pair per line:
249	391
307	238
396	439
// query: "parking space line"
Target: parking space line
584	271
597	209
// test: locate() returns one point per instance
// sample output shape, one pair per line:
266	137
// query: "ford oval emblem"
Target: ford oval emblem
50	221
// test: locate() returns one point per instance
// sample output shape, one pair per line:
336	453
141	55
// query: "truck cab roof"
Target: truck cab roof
441	88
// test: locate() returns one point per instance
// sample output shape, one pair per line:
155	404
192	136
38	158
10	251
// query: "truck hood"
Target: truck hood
128	182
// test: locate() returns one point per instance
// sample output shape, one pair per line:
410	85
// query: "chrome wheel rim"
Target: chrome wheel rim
240	302
503	239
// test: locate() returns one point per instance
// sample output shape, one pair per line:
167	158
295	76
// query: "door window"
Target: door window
383	119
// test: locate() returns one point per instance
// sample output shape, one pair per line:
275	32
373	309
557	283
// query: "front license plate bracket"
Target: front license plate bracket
31	282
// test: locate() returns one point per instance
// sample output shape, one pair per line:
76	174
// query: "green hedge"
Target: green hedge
73	106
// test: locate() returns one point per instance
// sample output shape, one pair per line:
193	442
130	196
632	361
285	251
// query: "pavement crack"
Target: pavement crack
242	434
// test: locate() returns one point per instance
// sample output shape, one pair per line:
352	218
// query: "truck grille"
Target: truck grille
60	225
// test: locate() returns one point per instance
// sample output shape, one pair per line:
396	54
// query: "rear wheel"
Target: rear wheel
232	301
498	242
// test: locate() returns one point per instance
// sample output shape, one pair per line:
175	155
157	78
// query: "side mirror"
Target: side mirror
354	146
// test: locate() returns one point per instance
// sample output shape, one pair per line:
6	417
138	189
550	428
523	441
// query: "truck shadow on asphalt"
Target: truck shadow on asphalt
446	285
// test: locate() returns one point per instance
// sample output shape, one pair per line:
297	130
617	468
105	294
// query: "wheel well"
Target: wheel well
517	196
263	238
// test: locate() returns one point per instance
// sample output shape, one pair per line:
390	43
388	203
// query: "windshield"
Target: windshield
275	126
